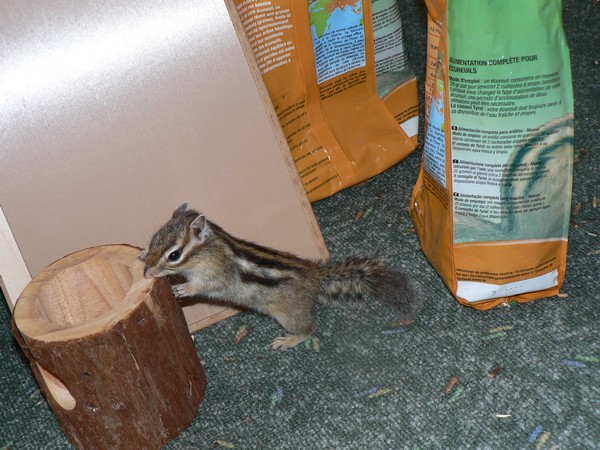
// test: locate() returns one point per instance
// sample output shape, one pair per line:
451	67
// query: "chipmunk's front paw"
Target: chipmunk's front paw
181	290
289	341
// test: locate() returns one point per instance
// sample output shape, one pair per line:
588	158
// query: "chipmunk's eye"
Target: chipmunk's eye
174	255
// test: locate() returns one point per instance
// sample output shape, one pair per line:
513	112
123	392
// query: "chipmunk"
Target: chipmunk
283	286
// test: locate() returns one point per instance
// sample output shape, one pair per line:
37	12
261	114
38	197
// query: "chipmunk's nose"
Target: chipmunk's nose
147	272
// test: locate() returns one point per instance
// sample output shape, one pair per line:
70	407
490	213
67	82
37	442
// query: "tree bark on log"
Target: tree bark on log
110	349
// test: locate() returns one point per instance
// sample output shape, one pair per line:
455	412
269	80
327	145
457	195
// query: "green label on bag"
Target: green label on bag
511	107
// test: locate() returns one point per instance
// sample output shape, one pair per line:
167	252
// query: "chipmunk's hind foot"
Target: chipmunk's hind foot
288	341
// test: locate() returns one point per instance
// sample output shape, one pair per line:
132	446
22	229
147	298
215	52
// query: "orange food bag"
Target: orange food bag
322	62
492	202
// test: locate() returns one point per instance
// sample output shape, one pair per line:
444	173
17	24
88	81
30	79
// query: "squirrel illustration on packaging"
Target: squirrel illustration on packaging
283	286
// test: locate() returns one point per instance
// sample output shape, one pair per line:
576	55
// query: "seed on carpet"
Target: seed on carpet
497	335
457	393
367	213
494	371
313	342
535	433
452	384
34	392
380	392
276	396
241	334
366	392
573	363
394	331
543	439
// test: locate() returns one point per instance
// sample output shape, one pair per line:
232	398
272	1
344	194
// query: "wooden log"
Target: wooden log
110	350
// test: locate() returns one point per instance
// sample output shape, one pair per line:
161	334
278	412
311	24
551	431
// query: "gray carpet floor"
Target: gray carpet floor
520	377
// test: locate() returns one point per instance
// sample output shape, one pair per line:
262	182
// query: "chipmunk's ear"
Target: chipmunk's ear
143	255
180	209
201	228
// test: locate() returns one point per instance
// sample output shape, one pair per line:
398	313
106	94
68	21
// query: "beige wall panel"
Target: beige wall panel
114	112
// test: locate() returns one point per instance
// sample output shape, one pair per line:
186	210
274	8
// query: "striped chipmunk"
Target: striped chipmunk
283	286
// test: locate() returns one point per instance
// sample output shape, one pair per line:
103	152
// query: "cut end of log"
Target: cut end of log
82	293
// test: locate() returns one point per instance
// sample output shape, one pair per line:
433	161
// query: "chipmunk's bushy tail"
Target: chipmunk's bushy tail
355	281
